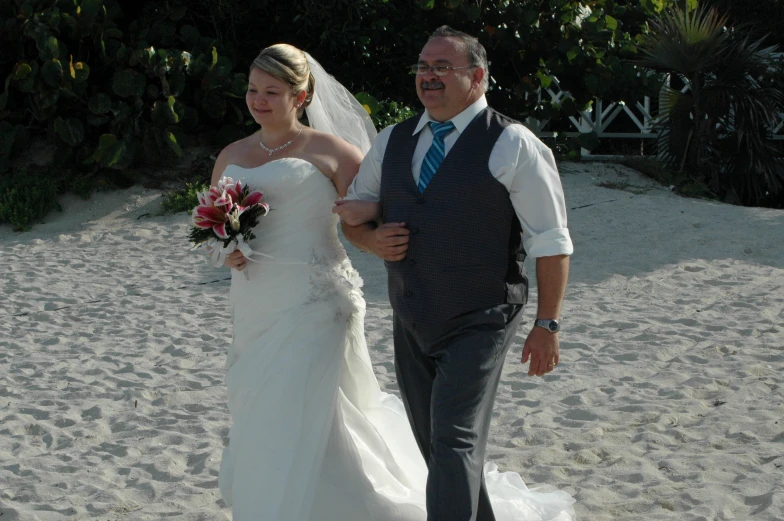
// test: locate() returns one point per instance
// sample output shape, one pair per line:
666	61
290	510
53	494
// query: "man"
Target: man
465	194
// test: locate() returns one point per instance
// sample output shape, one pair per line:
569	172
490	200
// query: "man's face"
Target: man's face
446	96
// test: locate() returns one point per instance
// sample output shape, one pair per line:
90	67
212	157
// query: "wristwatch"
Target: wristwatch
549	324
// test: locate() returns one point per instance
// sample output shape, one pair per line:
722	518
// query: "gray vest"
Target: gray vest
465	248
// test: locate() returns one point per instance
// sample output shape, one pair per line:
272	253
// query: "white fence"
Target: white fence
604	115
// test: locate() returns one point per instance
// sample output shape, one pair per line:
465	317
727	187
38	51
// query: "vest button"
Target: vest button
420	200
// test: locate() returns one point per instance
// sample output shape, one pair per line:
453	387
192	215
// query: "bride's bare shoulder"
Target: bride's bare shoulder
333	150
233	153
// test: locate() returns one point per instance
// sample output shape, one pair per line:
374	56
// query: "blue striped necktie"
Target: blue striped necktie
435	154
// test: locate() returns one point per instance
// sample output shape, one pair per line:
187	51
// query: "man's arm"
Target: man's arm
551	276
537	196
541	346
388	241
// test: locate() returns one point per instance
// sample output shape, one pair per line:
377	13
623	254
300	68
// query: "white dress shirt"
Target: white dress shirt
522	163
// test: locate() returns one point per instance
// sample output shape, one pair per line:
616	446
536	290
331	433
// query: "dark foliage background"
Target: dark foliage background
115	85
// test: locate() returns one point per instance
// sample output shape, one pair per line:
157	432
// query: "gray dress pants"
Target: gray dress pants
448	378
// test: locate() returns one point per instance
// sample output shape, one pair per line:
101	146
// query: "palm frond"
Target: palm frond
685	42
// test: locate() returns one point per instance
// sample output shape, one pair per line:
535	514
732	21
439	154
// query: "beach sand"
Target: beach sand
667	404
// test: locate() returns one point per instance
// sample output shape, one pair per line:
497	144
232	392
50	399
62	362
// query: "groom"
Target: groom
466	194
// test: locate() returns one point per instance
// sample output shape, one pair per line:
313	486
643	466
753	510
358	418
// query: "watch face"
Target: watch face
553	326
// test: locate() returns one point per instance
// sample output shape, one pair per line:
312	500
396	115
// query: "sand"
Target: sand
667	404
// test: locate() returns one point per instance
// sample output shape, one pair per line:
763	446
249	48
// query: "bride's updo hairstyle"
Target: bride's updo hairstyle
288	64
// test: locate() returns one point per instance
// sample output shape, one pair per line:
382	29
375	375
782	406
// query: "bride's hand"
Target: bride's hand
356	212
235	260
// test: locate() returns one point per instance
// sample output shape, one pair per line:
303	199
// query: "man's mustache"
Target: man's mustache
431	85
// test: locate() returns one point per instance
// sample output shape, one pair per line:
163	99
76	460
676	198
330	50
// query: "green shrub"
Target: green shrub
183	200
719	131
26	197
111	92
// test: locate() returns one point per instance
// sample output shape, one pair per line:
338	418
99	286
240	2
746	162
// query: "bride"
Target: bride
312	435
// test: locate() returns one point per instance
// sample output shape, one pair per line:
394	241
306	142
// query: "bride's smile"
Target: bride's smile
270	101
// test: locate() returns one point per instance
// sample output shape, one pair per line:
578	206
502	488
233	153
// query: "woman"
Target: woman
313	437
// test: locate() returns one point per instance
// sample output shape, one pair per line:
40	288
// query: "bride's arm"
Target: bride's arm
234	260
220	165
356	212
352	212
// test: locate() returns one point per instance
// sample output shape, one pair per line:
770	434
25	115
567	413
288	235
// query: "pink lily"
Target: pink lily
211	217
251	199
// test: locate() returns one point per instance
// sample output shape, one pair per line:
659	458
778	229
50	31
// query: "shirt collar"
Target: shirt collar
460	121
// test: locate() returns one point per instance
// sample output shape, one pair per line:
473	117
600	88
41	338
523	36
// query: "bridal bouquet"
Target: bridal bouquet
225	217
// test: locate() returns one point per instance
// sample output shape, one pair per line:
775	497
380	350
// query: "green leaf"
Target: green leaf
52	72
451	4
153	91
113	33
214	57
22	71
71	131
369	102
80	71
90	8
123	55
27	9
54	47
572	54
105	143
119	156
128	83
163	113
214	105
427	4
611	23
123	83
544	79
3	100
172	142
140	84
95	120
101	103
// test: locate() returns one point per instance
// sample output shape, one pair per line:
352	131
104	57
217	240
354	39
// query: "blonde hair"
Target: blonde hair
288	64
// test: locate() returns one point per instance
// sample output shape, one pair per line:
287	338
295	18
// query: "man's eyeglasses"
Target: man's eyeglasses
438	70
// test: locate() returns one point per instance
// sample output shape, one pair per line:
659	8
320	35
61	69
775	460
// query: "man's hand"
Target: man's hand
391	241
541	347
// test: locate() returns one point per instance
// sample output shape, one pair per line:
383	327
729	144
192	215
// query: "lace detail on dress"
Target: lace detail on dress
333	279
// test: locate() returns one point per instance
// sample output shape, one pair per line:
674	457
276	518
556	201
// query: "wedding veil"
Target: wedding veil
336	111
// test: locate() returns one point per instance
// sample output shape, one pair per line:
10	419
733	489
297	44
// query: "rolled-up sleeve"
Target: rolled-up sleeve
366	185
527	168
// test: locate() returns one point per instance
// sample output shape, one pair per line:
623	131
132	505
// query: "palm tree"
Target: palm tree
719	126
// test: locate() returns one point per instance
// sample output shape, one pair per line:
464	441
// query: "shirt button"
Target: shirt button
409	293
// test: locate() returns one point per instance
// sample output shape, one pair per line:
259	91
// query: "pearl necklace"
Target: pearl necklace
273	150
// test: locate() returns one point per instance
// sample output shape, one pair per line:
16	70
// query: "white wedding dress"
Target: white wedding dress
313	437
